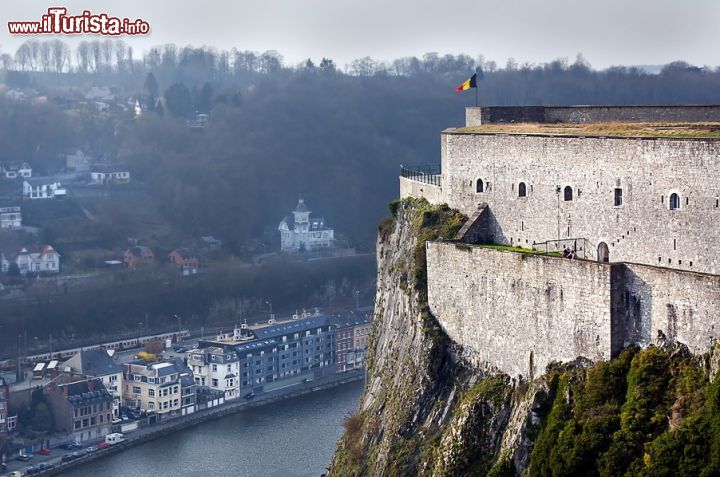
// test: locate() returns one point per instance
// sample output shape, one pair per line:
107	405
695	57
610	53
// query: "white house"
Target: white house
10	216
109	174
300	231
42	188
32	259
216	368
13	170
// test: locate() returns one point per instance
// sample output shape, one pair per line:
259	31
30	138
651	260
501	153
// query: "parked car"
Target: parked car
249	395
24	457
71	446
44	466
32	470
91	449
43	452
103	445
78	454
114	438
68	458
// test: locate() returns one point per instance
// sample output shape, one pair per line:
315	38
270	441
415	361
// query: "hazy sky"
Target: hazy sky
607	32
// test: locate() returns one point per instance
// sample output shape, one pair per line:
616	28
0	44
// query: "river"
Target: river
291	438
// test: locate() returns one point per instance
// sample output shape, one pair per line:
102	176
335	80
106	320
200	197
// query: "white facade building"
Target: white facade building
32	259
301	232
109	174
216	368
42	188
13	170
10	216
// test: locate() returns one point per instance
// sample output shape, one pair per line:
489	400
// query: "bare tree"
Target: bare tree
96	55
23	56
120	52
6	61
82	52
106	52
45	56
60	55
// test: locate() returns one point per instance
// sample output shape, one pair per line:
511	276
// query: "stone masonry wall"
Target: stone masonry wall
642	229
417	189
519	312
685	306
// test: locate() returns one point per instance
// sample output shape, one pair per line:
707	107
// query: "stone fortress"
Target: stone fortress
633	190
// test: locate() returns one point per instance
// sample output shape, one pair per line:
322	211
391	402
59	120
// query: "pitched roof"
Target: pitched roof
93	362
85	392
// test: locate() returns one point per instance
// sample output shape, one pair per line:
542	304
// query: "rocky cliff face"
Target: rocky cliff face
426	411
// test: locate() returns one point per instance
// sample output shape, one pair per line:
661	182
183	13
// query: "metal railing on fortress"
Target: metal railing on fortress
581	246
429	174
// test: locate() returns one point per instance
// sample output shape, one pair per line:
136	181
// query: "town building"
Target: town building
10	216
14	170
77	161
280	353
138	256
154	387
31	259
82	409
109	174
7	422
300	232
352	333
210	242
217	368
186	260
97	363
42	188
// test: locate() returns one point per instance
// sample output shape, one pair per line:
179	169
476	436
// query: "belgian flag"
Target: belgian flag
471	83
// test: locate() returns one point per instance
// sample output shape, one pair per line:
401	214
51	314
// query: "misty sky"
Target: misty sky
607	32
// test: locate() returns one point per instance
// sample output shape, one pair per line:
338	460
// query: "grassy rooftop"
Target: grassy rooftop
615	129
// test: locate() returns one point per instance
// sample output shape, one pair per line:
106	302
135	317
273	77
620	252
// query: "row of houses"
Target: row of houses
91	390
186	259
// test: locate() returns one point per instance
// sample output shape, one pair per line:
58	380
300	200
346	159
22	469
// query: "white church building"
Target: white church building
301	232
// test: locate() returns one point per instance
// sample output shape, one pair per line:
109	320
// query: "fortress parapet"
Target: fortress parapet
476	116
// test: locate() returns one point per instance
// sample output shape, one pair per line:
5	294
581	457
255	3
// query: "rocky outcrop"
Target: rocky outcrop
427	411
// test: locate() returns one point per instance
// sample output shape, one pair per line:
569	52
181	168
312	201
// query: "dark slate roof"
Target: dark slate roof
94	362
287	327
352	318
85	392
40	181
186	253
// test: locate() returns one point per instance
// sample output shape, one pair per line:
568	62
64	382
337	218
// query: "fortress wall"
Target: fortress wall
593	114
684	306
411	188
474	116
513	311
642	230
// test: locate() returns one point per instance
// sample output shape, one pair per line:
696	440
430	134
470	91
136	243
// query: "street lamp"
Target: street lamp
270	304
357	299
179	327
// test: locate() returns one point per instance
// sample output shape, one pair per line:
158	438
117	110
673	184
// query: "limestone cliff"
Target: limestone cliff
427	411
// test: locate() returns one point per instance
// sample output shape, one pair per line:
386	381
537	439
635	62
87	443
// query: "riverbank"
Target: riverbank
181	423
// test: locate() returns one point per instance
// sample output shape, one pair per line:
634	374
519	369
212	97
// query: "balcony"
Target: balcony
428	174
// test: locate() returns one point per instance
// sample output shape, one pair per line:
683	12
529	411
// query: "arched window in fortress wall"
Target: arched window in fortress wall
479	186
568	194
674	201
522	190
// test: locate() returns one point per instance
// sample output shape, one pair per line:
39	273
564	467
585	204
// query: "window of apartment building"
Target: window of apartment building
77	424
136	390
93	421
151	406
102	418
175	389
229	367
85	422
215	383
214	367
151	392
